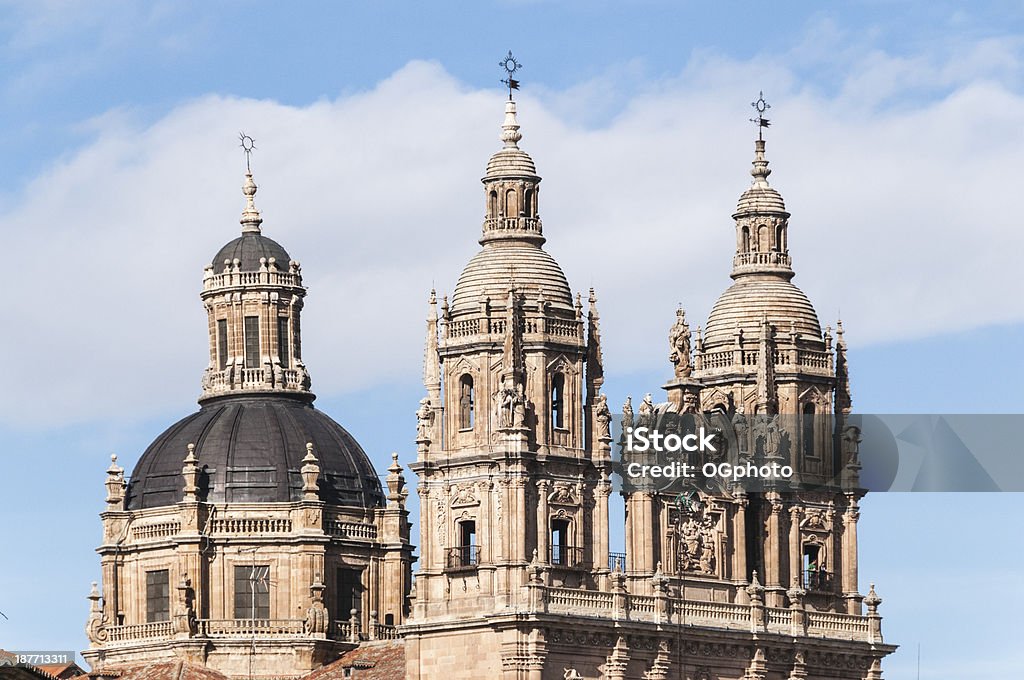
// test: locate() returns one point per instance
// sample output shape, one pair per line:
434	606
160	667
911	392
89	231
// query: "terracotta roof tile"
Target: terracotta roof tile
381	660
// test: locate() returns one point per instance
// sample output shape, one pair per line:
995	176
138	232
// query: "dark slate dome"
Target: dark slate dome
249	248
250	449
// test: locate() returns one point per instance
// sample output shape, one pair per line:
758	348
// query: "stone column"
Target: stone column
601	529
739	557
542	521
796	513
772	559
849	557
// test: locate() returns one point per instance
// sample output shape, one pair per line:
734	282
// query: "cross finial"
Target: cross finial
510	65
761	106
248	146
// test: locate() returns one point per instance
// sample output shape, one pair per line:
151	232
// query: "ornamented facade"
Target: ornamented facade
254	539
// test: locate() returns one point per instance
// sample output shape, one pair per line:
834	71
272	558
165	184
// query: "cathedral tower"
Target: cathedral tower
253	536
513	441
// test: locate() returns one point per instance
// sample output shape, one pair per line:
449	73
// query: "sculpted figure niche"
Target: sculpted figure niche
679	342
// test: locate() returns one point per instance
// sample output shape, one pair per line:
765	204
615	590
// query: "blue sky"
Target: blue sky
896	141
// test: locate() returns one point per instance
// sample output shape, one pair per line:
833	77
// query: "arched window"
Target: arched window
780	235
745	241
511	203
528	203
466	402
808	430
762	238
492	204
561	551
558	400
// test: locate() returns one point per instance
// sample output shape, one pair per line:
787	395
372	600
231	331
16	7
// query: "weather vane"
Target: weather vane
760	106
248	146
510	65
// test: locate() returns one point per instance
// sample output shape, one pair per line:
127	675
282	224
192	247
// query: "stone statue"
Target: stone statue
424	419
767	431
519	409
851	445
571	674
739	427
679	342
603	417
627	414
690	403
646	412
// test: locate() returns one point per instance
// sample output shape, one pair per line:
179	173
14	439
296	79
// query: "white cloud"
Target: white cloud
902	216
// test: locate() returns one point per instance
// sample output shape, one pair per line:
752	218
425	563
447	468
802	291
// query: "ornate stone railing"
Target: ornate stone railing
531	325
666	610
267	278
786	358
382	631
156	530
529	224
261	628
837	623
756	259
571	598
722	613
140	631
261	378
250	525
342	529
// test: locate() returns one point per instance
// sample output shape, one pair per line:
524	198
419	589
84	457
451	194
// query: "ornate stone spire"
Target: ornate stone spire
251	219
761	218
253	294
510	128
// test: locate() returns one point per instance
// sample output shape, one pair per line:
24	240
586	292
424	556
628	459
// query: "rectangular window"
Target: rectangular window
560	542
350	592
467	544
222	343
158	596
252	342
252	591
283	341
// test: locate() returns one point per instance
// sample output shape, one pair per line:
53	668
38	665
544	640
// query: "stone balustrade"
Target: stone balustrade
757	260
264	278
261	628
787	358
532	325
140	631
250	525
155	530
516	224
721	615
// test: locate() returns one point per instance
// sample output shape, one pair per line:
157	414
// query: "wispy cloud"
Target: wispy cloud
899	216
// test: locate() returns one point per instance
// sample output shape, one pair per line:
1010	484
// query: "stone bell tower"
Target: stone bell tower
775	389
513	441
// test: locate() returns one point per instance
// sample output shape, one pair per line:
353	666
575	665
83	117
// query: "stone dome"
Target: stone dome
760	200
251	449
248	249
529	266
749	299
511	162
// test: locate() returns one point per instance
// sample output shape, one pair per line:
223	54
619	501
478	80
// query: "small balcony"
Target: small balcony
464	557
568	557
818	580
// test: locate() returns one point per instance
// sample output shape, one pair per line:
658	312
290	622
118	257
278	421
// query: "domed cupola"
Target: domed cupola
512	237
763	347
253	294
256	523
762	270
257	413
